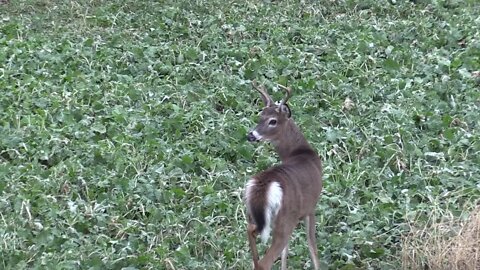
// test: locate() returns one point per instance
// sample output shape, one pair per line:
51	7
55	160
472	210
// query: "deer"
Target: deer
279	197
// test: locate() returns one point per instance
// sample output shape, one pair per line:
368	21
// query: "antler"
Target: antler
289	93
265	96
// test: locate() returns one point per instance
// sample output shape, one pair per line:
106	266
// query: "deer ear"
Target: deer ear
284	109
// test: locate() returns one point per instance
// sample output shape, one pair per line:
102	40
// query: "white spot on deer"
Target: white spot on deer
274	202
256	135
248	189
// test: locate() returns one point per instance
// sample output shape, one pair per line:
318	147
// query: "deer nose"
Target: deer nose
251	137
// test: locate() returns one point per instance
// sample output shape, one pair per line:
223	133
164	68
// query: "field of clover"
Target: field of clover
123	126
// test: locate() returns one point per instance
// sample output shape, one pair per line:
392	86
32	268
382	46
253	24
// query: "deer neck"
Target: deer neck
290	139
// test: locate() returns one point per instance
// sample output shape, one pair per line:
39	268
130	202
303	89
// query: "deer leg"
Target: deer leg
284	257
252	237
312	246
281	235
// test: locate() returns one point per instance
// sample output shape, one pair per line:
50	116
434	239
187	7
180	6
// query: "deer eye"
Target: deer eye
272	122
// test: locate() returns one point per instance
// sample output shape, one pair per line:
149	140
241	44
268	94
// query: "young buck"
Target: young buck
282	195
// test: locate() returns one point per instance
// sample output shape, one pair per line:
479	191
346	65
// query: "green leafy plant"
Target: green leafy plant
123	126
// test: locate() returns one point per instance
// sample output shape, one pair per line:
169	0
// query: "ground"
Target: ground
123	126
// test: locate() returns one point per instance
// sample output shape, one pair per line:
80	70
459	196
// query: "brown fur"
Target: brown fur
300	178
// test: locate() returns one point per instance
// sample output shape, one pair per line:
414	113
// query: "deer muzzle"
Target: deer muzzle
253	136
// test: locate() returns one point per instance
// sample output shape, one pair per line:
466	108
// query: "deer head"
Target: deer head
273	117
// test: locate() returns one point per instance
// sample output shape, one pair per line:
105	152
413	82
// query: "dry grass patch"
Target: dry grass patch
452	244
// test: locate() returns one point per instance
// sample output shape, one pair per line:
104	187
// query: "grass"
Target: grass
122	126
449	244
